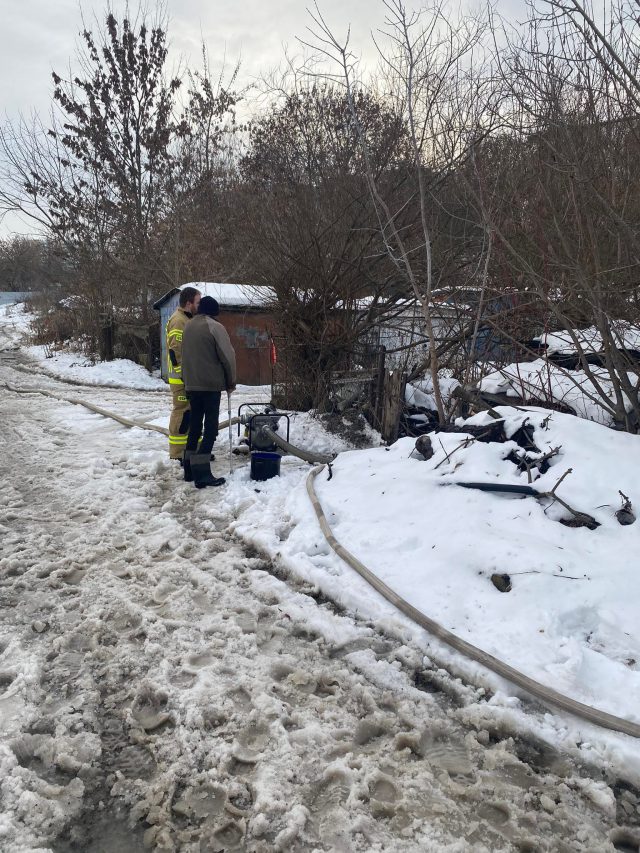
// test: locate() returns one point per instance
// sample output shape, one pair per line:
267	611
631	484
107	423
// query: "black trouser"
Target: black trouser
205	405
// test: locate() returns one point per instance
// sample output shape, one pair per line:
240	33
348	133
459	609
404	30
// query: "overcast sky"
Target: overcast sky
37	36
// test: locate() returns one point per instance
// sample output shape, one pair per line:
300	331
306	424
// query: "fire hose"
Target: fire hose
305	455
534	688
75	401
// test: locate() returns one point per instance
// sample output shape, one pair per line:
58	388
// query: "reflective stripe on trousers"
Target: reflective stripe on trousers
178	422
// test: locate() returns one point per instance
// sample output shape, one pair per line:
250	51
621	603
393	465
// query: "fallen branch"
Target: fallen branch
584	518
552	493
465	443
552	575
549	455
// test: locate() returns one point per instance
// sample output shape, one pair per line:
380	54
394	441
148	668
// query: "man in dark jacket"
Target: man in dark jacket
208	368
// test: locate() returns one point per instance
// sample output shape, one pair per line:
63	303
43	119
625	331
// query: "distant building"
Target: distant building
247	317
8	297
453	315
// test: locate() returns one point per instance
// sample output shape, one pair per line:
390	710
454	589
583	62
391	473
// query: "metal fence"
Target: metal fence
362	379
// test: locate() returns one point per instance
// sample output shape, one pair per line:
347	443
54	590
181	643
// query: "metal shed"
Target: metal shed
245	315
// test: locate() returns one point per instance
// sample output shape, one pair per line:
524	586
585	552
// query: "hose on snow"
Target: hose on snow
127	422
507	488
534	688
305	455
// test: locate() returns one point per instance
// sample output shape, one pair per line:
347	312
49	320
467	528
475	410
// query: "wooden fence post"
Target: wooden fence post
395	382
378	389
106	338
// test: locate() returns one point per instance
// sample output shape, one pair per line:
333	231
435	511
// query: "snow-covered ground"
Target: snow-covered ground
162	686
572	619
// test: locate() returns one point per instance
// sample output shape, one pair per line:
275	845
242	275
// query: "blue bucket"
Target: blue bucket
264	465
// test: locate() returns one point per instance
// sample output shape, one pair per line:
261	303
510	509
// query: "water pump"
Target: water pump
261	427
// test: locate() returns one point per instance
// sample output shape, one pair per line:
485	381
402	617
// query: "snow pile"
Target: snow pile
420	392
120	373
541	380
16	324
590	339
571	620
309	432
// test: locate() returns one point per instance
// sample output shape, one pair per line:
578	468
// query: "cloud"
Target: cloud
38	36
41	35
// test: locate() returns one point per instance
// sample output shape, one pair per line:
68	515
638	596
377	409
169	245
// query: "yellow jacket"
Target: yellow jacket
174	331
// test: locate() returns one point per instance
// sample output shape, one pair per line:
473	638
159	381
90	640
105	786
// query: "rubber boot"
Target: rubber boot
186	465
201	471
213	458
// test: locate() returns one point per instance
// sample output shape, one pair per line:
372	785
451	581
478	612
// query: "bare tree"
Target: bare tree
567	209
29	264
202	182
429	61
97	177
308	228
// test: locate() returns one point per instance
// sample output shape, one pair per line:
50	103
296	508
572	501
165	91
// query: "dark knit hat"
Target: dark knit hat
209	306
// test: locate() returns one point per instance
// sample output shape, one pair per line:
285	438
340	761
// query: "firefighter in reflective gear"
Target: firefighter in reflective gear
179	420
